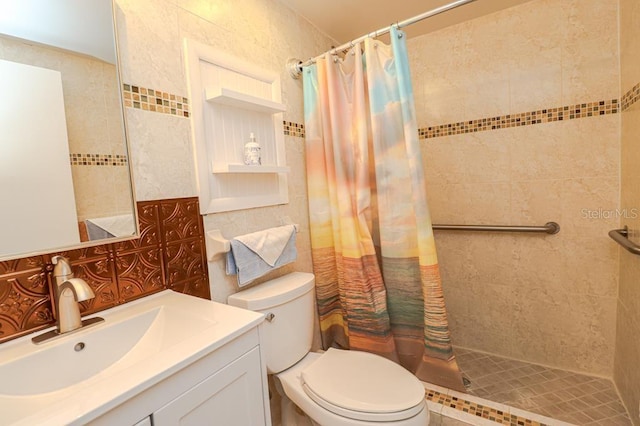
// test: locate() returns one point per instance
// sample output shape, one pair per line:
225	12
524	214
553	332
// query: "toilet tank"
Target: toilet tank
288	333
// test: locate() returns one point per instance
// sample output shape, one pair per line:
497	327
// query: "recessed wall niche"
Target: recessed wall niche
232	99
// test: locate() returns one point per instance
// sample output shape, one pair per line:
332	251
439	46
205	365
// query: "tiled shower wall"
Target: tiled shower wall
544	77
627	356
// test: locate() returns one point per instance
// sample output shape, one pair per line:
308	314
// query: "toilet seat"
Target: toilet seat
363	386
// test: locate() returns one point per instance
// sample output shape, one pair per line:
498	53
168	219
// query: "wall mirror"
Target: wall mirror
65	179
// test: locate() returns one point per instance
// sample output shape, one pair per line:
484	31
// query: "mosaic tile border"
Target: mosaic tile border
155	100
293	129
167	103
479	410
98	160
631	97
567	112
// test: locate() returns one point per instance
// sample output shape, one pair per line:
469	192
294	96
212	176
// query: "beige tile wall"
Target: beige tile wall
262	31
544	299
627	355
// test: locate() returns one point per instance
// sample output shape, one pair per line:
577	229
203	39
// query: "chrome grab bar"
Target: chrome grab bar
549	228
621	236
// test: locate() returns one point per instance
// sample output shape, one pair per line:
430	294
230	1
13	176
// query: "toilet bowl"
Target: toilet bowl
336	408
337	387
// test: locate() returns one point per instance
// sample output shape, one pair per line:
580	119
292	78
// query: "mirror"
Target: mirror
65	177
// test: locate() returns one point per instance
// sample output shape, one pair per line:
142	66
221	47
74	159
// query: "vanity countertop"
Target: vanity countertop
179	330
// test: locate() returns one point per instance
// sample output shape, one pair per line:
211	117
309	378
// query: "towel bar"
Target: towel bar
621	236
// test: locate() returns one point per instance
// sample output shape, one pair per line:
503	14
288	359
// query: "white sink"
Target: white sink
137	345
66	361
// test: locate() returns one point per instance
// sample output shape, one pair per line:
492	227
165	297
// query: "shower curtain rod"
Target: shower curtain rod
295	65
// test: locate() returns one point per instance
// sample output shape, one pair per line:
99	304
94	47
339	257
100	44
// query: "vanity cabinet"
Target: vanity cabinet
231	397
227	387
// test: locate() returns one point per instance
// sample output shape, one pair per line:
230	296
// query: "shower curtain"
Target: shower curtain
377	280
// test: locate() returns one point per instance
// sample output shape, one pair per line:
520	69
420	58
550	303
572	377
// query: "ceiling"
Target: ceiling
345	20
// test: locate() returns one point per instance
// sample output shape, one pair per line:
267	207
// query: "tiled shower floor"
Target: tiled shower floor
563	395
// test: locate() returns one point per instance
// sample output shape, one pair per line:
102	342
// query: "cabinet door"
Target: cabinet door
230	397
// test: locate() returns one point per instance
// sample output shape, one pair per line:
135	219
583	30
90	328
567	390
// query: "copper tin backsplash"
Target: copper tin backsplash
170	254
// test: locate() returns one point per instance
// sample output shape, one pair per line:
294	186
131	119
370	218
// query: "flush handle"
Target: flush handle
270	316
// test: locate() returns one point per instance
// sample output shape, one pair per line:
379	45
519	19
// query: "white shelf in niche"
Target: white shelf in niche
243	168
228	97
232	98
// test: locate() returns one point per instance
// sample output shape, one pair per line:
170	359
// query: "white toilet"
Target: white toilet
336	387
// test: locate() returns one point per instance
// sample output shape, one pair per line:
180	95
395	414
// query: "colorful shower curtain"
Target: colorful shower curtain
377	279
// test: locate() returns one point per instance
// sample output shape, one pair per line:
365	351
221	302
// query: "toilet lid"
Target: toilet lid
363	386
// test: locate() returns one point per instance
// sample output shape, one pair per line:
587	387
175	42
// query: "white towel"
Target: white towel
248	265
268	244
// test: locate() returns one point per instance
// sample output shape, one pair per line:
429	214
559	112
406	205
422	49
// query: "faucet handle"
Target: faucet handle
62	267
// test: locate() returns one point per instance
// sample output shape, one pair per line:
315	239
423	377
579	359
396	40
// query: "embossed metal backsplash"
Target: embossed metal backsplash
170	254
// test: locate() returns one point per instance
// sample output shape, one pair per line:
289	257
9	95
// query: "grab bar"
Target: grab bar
549	228
621	236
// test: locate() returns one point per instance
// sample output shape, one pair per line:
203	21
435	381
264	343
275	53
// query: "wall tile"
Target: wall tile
446	159
627	373
591	147
588	19
161	155
590	68
596	277
149	44
536	202
469	203
140	273
535	81
536	152
590	206
629	44
24	296
627	349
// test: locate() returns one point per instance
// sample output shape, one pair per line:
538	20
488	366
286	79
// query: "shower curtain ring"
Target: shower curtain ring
397	25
